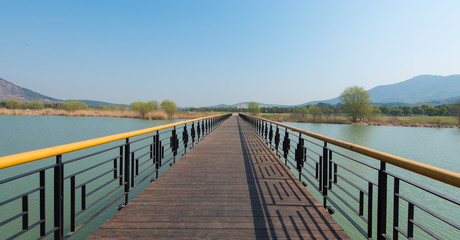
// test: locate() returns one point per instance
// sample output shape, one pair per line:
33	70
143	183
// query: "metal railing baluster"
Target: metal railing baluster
126	173
382	202
59	198
42	204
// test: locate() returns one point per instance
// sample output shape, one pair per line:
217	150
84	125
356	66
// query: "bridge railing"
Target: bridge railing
382	196
74	184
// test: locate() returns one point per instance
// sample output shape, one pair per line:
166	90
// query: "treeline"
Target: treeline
143	108
440	110
68	106
329	109
146	107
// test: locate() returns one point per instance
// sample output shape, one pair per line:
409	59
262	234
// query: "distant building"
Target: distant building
245	106
242	106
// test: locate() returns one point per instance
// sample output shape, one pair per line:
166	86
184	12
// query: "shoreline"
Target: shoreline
156	115
402	121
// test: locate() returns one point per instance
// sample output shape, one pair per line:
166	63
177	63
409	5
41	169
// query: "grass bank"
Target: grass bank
156	115
406	121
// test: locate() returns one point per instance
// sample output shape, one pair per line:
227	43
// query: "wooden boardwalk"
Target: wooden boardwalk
230	186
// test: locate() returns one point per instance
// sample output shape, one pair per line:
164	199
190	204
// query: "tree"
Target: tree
169	107
138	107
396	111
406	110
375	112
456	109
152	106
35	104
385	110
429	110
442	110
355	102
15	104
315	111
253	108
418	110
302	110
74	105
144	107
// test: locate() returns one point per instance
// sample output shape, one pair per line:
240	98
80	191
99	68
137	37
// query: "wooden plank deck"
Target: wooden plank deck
230	186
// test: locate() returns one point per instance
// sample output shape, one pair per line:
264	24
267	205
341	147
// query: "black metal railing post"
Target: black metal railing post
120	171
202	129
42	204
59	198
192	133
157	153
25	212
260	127
370	193
266	132
277	139
198	129
185	138
396	209
83	197
299	156
324	177
174	144
410	221
72	204
262	132
132	160
286	146
270	135
330	167
126	173
382	202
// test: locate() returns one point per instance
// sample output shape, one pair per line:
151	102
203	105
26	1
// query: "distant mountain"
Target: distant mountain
96	103
424	89
9	91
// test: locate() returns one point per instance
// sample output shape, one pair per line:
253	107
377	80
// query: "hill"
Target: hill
96	103
424	89
9	91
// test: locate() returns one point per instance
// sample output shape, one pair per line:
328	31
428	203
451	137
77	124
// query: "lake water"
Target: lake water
433	146
26	133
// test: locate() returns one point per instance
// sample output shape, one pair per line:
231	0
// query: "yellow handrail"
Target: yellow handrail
25	157
445	176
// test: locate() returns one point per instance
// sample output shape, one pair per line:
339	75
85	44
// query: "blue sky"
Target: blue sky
202	53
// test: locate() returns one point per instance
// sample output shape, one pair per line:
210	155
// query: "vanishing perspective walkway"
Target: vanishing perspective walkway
230	186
